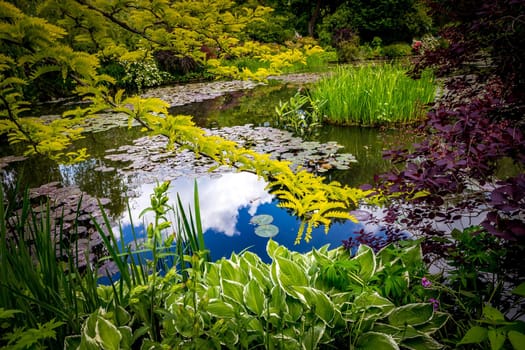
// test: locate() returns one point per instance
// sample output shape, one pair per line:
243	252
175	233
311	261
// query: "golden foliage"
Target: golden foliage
33	48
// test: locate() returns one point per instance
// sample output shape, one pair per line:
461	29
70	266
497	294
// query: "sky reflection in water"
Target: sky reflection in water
227	204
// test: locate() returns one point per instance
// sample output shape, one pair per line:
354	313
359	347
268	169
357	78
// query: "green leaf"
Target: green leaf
438	320
230	271
8	313
398	333
233	291
411	314
127	337
373	301
72	342
519	290
319	303
412	255
367	261
474	335
89	327
422	342
312	336
288	274
221	309
107	334
492	314
273	249
517	340
254	297
376	341
122	316
88	343
496	338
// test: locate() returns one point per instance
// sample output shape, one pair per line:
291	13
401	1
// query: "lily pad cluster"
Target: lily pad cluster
147	159
72	216
178	95
264	227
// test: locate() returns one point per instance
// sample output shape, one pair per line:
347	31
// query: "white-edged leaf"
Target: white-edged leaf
254	297
376	341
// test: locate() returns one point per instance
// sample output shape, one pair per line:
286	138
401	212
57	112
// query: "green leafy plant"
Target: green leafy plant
296	301
397	50
49	294
496	330
483	295
301	114
19	338
373	95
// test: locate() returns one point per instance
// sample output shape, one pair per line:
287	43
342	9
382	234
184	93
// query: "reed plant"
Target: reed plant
39	290
45	296
374	95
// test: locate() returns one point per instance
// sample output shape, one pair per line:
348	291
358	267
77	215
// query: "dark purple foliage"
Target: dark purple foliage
477	123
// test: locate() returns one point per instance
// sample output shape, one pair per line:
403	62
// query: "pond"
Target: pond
125	166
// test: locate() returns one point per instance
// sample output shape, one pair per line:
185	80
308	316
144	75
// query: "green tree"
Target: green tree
391	20
63	47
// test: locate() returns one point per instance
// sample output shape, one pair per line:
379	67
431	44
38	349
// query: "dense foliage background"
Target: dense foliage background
461	190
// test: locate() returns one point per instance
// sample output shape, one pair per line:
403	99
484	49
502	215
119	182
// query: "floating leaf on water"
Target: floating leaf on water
262	219
266	231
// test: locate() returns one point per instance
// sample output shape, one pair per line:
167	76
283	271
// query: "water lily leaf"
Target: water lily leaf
266	231
262	219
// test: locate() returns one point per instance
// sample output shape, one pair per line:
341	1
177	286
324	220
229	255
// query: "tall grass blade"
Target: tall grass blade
197	210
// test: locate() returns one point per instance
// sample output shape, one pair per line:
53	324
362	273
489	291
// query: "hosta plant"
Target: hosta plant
325	298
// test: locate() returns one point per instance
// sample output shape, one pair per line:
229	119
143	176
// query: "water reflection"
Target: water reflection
221	197
228	202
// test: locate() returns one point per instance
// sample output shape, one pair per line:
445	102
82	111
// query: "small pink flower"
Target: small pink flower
426	283
435	303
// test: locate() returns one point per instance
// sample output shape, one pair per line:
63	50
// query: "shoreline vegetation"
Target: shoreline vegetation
380	296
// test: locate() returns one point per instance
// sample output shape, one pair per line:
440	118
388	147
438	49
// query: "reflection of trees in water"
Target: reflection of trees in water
99	184
254	106
37	171
367	145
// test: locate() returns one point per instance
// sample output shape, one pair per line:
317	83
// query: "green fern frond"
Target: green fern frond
42	70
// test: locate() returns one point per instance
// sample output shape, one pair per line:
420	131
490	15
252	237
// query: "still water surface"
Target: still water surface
228	201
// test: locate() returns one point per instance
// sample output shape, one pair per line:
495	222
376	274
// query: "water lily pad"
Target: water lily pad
261	219
266	230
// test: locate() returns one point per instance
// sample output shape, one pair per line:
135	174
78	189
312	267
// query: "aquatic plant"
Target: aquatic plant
301	114
44	288
38	289
373	95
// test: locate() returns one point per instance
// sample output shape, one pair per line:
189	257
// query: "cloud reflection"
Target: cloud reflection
221	198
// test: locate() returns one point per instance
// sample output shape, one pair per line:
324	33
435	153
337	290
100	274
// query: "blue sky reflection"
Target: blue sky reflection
228	202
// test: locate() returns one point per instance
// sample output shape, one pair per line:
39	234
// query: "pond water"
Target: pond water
228	199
